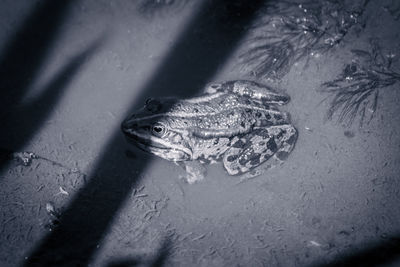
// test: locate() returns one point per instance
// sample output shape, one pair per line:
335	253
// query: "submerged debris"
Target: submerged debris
356	89
24	158
349	134
50	208
55	216
289	31
63	191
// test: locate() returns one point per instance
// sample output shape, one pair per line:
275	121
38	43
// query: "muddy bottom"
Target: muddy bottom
74	192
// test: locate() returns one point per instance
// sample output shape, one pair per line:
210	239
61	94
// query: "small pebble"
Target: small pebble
349	134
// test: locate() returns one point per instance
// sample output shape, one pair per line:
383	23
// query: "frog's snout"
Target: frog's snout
128	124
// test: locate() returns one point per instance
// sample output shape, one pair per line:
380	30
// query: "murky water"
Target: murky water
72	71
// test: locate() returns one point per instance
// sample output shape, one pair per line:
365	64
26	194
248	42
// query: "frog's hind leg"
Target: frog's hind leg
249	89
257	147
287	144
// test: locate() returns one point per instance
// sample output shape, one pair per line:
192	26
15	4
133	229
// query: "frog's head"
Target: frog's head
154	130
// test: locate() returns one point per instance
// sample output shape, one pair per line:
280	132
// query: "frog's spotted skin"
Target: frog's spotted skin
236	121
247	153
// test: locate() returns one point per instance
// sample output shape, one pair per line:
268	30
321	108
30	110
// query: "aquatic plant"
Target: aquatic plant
288	31
356	89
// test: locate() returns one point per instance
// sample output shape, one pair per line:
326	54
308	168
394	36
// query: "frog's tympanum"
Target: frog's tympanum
236	121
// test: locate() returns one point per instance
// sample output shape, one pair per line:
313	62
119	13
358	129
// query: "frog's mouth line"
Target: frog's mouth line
154	145
144	142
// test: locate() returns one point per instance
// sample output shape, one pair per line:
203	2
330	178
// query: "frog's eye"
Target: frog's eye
158	129
153	105
350	69
215	86
148	100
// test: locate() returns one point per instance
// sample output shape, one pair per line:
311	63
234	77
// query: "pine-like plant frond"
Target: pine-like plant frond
288	31
356	90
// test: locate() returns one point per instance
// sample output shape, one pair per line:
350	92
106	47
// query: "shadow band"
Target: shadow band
201	49
374	254
20	64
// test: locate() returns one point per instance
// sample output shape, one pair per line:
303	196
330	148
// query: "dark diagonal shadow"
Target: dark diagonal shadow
374	254
157	260
20	63
202	48
24	119
162	254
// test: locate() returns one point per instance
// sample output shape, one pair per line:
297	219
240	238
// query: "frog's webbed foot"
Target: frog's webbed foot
195	171
249	89
260	170
250	151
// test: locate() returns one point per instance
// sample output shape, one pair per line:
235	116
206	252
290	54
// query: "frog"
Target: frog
236	122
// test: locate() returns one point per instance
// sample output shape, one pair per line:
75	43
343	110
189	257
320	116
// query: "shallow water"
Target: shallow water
87	200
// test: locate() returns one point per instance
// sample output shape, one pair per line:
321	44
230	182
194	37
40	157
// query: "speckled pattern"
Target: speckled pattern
236	120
